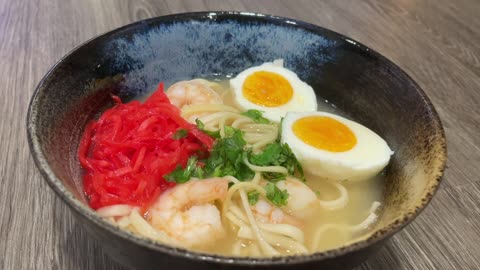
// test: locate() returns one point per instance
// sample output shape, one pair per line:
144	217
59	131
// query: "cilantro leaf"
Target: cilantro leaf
257	116
253	197
277	154
180	133
292	164
273	176
275	195
198	172
280	127
182	175
201	126
269	156
226	157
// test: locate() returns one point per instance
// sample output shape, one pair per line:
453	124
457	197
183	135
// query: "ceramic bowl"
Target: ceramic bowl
131	60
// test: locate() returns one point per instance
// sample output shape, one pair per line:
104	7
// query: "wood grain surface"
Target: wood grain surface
436	41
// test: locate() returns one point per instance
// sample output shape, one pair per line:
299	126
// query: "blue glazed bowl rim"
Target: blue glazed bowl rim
81	209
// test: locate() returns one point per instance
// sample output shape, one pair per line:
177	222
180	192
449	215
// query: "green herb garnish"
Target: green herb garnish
227	156
278	154
180	133
275	195
201	126
273	176
182	175
280	127
257	116
253	197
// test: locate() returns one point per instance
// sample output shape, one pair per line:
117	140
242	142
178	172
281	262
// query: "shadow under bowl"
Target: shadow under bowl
131	60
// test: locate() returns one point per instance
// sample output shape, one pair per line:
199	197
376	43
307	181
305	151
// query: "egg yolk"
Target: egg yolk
324	133
267	89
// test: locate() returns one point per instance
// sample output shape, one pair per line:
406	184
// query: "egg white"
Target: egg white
303	98
366	159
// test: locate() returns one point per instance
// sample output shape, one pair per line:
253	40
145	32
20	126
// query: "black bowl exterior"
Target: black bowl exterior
132	60
135	256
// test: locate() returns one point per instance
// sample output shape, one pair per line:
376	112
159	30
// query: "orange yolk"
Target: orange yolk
267	89
324	133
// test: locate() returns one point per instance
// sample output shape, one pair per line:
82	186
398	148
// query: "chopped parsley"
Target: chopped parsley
257	116
275	195
273	176
227	156
201	126
180	133
253	197
182	175
277	154
280	127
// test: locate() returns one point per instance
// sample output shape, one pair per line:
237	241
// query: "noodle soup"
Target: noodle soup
324	229
200	169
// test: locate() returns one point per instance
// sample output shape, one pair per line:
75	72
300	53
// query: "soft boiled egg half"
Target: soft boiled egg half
273	89
333	147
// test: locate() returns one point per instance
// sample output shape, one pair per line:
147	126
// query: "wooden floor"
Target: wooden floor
436	41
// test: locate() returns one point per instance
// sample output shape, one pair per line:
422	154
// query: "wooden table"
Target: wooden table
436	42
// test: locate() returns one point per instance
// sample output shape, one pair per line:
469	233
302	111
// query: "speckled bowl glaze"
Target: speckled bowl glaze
131	60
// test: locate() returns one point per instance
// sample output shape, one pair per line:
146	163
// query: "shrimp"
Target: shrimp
301	197
268	213
187	213
196	92
303	200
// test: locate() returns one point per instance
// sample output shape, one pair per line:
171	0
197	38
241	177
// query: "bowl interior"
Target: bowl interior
132	60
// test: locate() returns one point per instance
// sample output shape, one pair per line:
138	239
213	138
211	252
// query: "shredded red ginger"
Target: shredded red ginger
128	150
